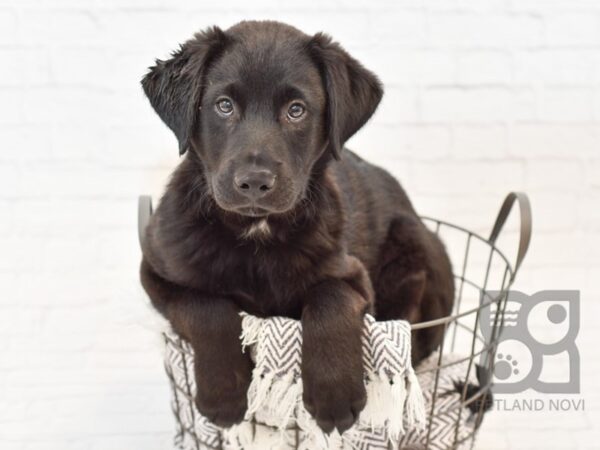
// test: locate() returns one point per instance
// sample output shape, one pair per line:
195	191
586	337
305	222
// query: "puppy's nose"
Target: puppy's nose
254	183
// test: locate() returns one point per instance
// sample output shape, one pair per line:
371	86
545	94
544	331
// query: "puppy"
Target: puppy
269	214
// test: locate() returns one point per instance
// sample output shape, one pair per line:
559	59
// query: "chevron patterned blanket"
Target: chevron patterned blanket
394	416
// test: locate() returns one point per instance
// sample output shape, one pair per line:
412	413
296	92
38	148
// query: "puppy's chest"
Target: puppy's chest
261	282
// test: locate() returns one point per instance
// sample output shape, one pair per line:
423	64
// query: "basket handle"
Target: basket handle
144	213
525	229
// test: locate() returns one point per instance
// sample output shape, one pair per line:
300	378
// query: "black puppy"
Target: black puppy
267	213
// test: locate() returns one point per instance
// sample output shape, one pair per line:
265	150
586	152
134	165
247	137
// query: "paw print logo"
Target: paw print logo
537	328
505	367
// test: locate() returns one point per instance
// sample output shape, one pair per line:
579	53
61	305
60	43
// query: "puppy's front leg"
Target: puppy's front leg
212	326
332	369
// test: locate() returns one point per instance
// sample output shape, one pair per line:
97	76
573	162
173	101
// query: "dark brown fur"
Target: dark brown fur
326	242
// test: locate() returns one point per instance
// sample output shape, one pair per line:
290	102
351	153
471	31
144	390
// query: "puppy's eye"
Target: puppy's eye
296	111
224	106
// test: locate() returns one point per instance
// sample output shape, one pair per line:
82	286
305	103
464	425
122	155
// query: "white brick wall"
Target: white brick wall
483	97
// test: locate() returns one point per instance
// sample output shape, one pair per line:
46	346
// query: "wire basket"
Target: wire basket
483	276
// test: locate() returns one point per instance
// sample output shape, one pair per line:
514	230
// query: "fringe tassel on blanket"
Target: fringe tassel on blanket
415	404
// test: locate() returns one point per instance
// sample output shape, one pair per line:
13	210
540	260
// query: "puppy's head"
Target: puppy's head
260	104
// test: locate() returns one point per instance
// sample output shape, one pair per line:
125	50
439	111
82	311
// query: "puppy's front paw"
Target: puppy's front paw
221	394
225	409
335	401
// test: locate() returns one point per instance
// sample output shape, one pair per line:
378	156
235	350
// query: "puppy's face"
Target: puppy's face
260	105
262	125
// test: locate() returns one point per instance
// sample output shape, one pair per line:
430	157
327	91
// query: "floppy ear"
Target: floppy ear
353	92
174	87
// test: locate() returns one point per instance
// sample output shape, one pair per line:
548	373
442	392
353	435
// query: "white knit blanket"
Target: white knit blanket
394	406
